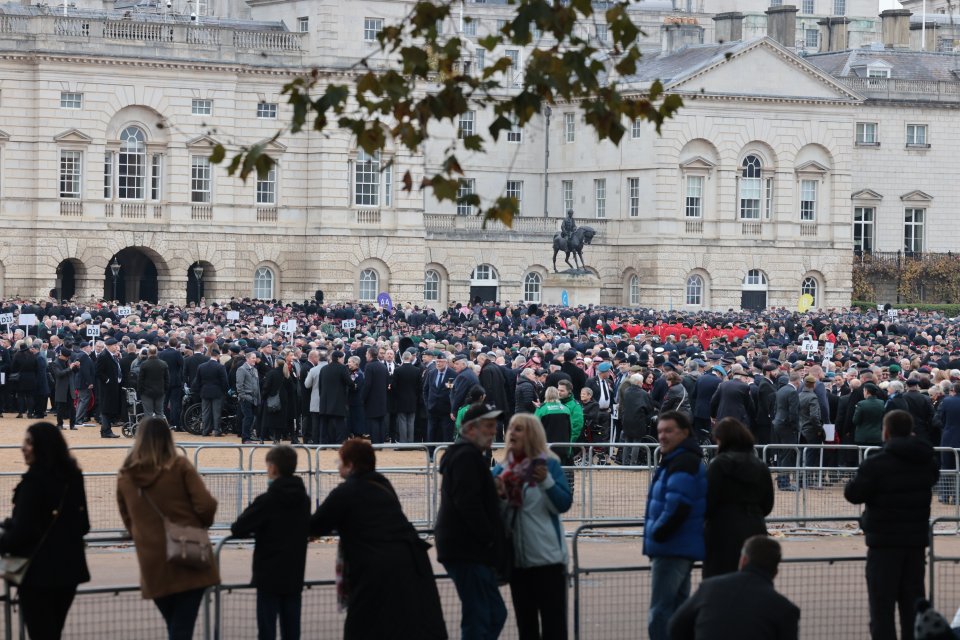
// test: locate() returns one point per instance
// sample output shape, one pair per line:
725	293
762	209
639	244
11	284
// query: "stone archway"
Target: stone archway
69	273
136	278
203	286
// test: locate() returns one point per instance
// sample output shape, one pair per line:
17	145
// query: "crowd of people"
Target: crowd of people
532	377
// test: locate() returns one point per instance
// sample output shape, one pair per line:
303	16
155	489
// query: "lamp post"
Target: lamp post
115	270
198	274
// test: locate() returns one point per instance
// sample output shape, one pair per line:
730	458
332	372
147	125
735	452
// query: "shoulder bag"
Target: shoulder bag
273	403
14	568
187	546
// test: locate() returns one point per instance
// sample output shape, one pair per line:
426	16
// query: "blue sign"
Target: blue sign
564	298
384	301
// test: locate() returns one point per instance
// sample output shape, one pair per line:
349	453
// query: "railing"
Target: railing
268	214
76	27
201	212
693	227
899	89
71	208
157	211
139	31
14	24
203	35
808	229
368	216
750	228
133	210
267	40
108	210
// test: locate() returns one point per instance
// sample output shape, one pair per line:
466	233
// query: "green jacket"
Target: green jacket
576	418
456	425
868	421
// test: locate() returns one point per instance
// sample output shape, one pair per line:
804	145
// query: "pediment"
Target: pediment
812	166
916	196
4	136
765	70
203	141
697	162
866	194
73	135
275	146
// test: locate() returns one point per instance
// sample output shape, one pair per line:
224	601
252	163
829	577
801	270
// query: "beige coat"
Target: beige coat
180	494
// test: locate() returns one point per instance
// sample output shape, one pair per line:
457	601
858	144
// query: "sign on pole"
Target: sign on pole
27	320
290	326
828	350
810	346
892	313
384	301
268	321
348	324
6	318
93	331
233	315
123	312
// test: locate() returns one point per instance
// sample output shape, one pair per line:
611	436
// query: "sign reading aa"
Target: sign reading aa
93	331
384	301
348	324
124	311
564	298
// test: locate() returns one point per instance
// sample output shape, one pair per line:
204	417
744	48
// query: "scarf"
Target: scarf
517	474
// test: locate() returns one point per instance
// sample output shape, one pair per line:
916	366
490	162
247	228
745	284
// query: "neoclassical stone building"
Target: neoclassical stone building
107	119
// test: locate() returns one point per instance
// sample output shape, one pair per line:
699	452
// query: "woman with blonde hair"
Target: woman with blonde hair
533	493
156	485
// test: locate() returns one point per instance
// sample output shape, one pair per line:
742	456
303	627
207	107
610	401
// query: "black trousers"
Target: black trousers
45	610
539	597
65	411
894	577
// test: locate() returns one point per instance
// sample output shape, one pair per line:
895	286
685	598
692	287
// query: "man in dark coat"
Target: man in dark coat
436	396
469	530
920	407
527	395
375	397
895	485
764	395
742	605
335	383
493	383
732	400
153	380
173	400
61	392
210	385
706	386
786	428
405	388
577	375
191	362
84	376
466	379
279	519
108	376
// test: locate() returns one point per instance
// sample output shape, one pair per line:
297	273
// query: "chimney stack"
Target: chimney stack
895	28
924	39
676	36
834	34
728	26
782	25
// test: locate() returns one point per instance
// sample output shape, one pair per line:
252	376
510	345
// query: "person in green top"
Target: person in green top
558	423
565	387
868	417
475	395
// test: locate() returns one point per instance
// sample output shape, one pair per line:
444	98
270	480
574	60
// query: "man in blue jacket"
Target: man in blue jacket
673	525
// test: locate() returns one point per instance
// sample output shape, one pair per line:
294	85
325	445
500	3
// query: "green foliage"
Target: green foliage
428	87
951	310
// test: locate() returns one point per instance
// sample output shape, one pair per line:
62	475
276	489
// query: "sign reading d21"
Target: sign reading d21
384	301
565	298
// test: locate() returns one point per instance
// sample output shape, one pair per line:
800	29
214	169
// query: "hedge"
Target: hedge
951	310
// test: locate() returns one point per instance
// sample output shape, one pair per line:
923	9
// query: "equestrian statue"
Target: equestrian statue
571	240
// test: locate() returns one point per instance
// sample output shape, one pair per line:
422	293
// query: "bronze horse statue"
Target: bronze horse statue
573	245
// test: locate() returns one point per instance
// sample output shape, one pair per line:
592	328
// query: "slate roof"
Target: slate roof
668	67
903	64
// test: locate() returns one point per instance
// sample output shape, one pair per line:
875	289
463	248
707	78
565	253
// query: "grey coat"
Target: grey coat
248	384
312	382
808	409
62	378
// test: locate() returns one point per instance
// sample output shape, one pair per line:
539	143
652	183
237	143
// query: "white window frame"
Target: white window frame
636	129
71	100
467	124
532	288
566	195
267	110
515	133
267	188
839	7
810	286
866	228
303	24
600	198
70	183
108	175
633	197
807	7
750	196
811	38
431	285
465	187
156	176
633	290
755	280
808	199
602	33
515	190
469	26
693	197
368	285
917	135
132	164
480	57
693	293
201	107
569	127
516	67
264	281
201	180
371	27
914	233
366	174
867	134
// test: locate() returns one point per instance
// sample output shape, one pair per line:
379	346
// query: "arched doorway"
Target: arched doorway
131	276
484	284
753	293
68	272
199	281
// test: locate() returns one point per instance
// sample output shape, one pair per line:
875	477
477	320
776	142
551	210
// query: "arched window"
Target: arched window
132	164
634	290
431	286
695	290
809	286
755	279
484	272
369	283
531	287
751	183
263	284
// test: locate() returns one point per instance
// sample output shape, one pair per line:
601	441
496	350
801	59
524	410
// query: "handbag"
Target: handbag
504	568
273	403
14	568
187	546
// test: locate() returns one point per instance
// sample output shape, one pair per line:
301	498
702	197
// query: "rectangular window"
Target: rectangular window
515	190
71	100
570	127
636	129
303	24
388	185
602	32
515	135
839	7
199	179
808	7
515	71
267	110
566	189
863	229
267	187
750	195
693	203
878	73
467	124
156	169
469	27
600	196
633	193
200	107
481	59
467	187
501	25
367	179
768	197
776	3
866	133
371	27
108	175
917	134
71	170
808	200
812	38
913	220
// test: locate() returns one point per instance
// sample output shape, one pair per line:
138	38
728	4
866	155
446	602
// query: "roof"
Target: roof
903	64
667	67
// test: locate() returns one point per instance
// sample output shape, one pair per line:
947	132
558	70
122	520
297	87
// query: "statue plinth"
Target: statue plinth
582	288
